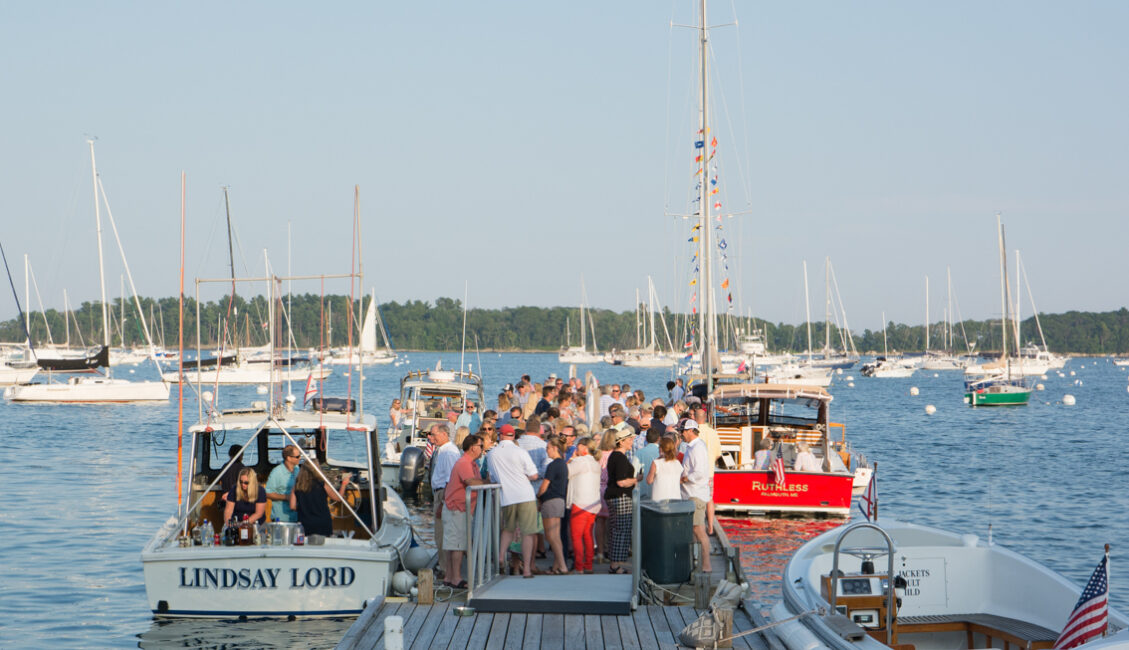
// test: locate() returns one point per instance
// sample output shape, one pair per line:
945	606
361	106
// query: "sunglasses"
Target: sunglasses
487	428
244	483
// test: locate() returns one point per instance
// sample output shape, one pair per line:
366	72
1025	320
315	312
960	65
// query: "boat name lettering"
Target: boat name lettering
222	578
800	487
327	577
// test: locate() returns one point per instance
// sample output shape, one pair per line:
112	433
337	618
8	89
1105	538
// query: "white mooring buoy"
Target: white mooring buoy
850	384
1040	387
930	409
913	390
1068	399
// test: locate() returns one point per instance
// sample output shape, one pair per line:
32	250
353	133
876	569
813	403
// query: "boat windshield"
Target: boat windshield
794	412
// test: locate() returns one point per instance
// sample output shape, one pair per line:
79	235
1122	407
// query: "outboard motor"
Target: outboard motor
413	466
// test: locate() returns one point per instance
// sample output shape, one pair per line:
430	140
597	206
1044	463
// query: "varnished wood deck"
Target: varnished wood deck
438	627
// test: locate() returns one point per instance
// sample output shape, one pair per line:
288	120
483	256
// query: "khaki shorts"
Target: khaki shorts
699	512
520	515
454	530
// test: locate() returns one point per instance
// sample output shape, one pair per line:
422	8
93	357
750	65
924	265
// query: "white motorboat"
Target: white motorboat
941	361
889	368
17	373
429	395
799	374
17	365
279	579
949	591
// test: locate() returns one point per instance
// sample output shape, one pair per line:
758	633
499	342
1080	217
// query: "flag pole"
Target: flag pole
1105	632
874	480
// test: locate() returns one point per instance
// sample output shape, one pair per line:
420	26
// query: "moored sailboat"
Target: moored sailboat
1003	387
581	353
97	388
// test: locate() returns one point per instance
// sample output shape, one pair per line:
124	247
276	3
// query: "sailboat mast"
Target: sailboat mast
98	228
807	308
1003	287
949	344
927	314
706	324
885	348
827	308
651	307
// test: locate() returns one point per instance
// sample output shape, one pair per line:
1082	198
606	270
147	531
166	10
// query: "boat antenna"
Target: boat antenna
466	291
478	357
23	323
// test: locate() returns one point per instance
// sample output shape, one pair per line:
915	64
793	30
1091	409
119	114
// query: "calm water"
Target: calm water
86	486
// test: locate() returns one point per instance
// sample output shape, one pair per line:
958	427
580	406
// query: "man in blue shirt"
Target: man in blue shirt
281	482
469	418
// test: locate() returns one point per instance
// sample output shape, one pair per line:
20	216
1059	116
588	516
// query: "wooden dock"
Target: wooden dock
438	626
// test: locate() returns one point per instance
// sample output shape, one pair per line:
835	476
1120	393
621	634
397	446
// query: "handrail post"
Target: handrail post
636	549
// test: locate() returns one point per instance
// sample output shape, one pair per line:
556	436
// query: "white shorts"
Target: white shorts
454	530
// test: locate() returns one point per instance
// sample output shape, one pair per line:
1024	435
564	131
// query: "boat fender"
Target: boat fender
413	465
794	634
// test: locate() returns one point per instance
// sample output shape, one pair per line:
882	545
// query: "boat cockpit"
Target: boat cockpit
263	452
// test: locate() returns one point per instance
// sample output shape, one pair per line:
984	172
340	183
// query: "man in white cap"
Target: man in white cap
696	485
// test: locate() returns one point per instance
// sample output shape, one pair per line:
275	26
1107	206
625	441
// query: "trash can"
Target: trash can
667	535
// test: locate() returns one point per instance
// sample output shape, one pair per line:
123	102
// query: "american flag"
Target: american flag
870	498
1091	614
778	465
311	388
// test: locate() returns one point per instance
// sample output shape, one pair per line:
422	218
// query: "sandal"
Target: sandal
619	571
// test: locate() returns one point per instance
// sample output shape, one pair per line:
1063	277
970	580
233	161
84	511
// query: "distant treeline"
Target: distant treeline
423	325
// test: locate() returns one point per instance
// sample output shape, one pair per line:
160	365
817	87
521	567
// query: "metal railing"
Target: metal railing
483	531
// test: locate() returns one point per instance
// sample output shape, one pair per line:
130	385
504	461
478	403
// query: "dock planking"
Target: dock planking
437	626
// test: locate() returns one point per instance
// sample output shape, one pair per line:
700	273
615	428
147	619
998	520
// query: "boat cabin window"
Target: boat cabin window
803	413
218	456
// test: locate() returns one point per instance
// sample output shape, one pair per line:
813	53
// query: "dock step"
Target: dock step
549	594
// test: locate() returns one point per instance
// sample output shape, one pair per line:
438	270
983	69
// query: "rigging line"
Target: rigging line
16	296
129	275
39	299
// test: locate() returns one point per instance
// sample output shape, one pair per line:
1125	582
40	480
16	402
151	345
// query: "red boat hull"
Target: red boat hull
755	492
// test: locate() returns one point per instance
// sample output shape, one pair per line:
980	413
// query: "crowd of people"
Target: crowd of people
566	484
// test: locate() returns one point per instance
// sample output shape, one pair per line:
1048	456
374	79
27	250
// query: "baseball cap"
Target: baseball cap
689	424
508	388
507	429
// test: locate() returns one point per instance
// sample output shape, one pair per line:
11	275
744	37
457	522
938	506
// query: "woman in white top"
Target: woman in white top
805	460
666	473
582	500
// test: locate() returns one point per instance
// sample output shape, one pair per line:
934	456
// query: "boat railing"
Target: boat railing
484	524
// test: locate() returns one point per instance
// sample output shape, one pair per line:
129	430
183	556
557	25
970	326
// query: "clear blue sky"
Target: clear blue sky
516	145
